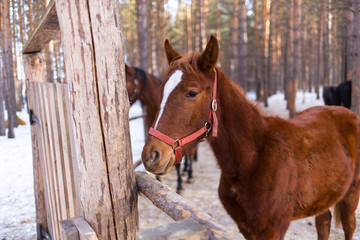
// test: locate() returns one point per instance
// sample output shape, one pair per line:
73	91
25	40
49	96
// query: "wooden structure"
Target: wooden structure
80	132
80	129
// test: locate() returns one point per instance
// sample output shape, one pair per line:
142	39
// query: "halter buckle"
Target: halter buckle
214	105
209	127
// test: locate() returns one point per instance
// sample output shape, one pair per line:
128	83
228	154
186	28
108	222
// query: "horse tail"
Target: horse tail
337	215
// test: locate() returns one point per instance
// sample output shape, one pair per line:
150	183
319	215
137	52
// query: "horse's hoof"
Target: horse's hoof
190	180
180	191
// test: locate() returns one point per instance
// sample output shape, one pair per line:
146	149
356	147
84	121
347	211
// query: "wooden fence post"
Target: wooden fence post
33	66
94	55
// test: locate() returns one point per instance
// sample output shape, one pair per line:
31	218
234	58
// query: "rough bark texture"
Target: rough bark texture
94	57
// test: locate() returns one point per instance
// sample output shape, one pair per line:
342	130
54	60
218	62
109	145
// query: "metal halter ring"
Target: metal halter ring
208	126
176	144
214	105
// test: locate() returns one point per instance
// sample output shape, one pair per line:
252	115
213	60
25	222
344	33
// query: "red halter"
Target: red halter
177	144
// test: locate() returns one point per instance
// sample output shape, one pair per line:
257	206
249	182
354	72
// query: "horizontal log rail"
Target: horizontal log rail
137	117
178	207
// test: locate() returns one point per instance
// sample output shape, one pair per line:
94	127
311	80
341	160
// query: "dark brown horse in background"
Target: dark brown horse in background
145	87
273	171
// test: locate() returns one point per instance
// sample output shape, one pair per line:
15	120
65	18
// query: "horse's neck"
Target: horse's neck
240	129
150	97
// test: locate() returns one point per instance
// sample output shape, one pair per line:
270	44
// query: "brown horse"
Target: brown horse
273	171
145	87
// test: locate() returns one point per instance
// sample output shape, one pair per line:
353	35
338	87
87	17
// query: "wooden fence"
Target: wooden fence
51	109
83	171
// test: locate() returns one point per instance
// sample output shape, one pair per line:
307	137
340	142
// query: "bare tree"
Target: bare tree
142	32
243	45
161	30
355	101
8	70
234	42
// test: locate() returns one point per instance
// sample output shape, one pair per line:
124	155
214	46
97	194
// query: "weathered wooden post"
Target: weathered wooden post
93	49
33	66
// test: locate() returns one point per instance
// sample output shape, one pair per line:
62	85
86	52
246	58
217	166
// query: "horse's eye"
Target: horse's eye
191	94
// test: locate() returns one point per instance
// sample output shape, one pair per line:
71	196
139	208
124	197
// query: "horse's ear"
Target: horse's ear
171	54
208	58
128	70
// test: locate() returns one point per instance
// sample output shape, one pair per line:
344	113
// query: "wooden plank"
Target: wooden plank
76	228
68	231
48	195
53	194
52	157
52	118
178	207
94	58
33	67
46	30
85	230
64	134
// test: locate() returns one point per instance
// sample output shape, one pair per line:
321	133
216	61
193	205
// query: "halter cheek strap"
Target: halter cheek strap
212	124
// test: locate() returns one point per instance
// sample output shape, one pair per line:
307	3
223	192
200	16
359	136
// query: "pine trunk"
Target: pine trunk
349	39
234	67
142	32
265	51
290	83
160	37
243	45
8	70
355	103
2	110
256	53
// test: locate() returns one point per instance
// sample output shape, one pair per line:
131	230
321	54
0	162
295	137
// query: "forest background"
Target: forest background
265	45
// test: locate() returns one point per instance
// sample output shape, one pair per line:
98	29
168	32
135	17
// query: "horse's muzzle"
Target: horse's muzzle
157	157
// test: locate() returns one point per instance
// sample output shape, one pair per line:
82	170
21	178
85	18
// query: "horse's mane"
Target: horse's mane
142	73
187	63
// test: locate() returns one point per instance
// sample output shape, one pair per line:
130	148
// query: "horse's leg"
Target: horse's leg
179	188
323	223
190	176
185	165
347	207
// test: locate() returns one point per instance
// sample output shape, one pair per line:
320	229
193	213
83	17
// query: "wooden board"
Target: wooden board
46	30
51	109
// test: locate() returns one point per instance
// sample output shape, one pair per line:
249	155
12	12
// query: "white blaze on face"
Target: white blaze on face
170	85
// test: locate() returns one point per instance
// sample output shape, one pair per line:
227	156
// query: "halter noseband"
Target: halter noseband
212	124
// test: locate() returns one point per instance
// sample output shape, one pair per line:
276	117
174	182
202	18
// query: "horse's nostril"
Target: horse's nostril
153	158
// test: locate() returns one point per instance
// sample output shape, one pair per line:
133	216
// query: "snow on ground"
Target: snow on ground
17	204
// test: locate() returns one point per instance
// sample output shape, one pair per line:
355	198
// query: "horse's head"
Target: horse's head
131	84
185	115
